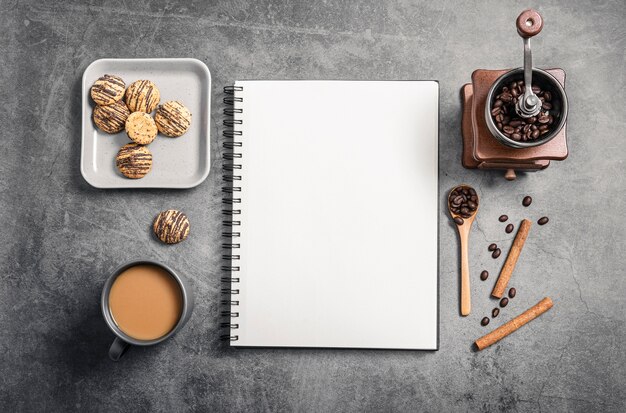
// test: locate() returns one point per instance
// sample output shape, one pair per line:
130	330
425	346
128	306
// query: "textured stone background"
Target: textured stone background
61	238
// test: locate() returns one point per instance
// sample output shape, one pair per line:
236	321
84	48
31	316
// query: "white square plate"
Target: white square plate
182	162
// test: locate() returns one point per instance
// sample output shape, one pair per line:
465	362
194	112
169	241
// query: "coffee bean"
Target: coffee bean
503	218
498	103
504	302
492	247
509	228
545	105
527	201
458	221
508	129
484	275
464	210
517	136
543	221
496	253
495	111
512	292
472	205
535	134
495	312
547	96
484	321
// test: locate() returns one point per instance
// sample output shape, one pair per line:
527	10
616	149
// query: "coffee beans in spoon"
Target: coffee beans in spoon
515	127
463	202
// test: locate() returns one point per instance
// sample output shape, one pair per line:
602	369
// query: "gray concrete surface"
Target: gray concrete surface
60	238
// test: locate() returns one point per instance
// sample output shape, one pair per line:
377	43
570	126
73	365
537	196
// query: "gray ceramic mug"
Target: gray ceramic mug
122	342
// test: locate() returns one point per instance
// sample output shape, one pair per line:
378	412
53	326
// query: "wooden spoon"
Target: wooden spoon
463	206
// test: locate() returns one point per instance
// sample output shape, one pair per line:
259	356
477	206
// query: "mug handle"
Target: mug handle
118	348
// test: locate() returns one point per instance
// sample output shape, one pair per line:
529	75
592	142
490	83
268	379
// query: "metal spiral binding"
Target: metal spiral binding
231	177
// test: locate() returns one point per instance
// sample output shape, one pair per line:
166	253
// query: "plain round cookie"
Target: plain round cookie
140	127
134	161
108	89
172	118
111	118
142	96
171	226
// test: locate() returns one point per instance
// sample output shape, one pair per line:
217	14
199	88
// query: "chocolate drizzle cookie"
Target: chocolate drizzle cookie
108	89
142	96
134	161
171	226
172	118
141	128
111	118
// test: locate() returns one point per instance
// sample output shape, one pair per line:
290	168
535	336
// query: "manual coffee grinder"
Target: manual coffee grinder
533	118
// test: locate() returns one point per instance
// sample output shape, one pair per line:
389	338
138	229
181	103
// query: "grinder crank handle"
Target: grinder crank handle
529	23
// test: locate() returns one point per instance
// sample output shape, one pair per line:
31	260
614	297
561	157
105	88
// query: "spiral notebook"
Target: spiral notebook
331	199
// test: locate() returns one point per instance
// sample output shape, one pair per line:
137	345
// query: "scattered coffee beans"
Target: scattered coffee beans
484	321
512	292
515	127
543	221
496	253
503	218
463	201
484	275
527	201
509	228
458	221
504	302
495	312
492	247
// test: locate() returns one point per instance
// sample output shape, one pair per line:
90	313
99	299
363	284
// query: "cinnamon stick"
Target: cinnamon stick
511	259
508	328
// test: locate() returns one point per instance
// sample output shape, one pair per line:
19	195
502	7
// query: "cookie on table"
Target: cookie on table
134	161
140	127
142	96
172	118
108	89
111	118
171	226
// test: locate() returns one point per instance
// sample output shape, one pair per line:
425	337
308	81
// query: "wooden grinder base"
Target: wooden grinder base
482	151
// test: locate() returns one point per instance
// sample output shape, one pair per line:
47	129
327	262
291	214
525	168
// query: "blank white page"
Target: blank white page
338	214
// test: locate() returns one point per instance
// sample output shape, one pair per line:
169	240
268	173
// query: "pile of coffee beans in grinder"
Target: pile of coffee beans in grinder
463	202
515	127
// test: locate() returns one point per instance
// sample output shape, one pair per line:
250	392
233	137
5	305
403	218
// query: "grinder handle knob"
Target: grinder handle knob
529	23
